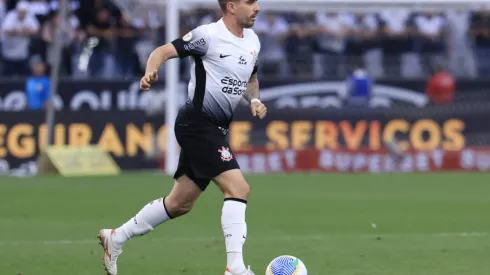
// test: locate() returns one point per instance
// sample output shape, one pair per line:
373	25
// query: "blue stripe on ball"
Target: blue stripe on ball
284	266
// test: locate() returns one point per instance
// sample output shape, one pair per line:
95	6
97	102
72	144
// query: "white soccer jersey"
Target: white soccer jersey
221	66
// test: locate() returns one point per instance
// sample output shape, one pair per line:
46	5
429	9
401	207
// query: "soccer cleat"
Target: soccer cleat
110	251
247	272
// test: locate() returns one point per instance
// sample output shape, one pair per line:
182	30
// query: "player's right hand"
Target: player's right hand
258	110
148	80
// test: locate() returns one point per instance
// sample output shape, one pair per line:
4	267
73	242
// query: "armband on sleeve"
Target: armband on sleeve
195	42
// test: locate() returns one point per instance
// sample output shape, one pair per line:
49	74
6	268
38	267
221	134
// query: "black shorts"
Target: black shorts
205	152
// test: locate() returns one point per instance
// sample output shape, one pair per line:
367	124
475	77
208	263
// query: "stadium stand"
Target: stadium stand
390	43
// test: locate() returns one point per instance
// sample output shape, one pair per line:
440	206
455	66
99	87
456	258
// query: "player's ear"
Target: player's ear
231	7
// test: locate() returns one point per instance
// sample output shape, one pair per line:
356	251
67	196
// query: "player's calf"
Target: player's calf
182	198
177	207
179	202
149	217
236	190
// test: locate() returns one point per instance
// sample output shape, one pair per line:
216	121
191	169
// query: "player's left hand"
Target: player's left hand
258	109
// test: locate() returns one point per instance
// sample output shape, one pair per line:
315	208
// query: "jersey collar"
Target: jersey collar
222	24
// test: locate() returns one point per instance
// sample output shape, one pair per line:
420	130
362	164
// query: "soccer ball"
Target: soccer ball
286	265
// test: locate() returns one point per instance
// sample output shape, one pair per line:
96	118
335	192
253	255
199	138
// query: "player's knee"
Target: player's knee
238	190
233	184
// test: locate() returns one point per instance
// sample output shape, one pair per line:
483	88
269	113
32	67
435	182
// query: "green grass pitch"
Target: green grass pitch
392	224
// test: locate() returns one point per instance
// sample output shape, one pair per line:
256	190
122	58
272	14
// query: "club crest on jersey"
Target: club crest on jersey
225	154
187	37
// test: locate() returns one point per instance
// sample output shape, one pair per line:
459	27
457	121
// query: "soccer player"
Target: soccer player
223	71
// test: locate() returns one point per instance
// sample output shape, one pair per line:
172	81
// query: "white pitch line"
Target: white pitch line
262	239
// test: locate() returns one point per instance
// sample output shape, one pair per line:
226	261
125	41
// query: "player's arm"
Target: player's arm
195	42
252	91
252	95
159	56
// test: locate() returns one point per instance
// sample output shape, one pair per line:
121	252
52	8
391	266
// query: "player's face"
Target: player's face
246	12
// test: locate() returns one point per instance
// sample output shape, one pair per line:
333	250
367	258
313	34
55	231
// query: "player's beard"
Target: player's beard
246	22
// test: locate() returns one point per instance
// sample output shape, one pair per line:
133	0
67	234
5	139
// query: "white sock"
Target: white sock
235	231
149	217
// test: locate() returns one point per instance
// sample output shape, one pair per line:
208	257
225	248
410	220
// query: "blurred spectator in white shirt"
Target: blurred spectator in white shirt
461	59
363	43
3	10
431	30
272	30
18	27
333	28
396	41
41	9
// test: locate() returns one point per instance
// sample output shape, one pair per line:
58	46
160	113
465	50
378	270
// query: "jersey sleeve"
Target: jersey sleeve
196	42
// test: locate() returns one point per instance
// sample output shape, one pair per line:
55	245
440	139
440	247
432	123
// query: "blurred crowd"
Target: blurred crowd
391	43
